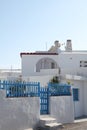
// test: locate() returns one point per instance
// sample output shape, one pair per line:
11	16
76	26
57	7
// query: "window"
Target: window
83	63
52	65
75	94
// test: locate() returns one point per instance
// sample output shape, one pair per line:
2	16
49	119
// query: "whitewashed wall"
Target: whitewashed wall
79	105
29	63
9	75
44	79
85	98
61	107
18	113
69	62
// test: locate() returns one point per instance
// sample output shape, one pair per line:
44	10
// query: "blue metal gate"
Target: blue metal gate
33	89
44	101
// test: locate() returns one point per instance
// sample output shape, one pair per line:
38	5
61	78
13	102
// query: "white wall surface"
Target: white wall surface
29	63
9	75
69	62
18	113
61	107
79	105
85	98
44	79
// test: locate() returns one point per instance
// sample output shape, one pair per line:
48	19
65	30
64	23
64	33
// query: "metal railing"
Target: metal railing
20	89
33	89
56	89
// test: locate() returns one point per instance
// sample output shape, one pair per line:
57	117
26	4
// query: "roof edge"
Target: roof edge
35	53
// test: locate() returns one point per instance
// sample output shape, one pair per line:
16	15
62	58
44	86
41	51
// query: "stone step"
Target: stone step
48	123
28	129
53	126
46	120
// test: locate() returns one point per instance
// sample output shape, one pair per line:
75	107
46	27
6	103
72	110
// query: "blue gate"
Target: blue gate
44	101
33	89
16	89
20	89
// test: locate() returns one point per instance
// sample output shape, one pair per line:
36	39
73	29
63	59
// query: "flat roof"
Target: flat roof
37	53
74	52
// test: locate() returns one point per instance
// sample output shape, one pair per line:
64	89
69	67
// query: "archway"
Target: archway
46	63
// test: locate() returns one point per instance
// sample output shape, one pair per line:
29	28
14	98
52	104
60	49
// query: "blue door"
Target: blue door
44	101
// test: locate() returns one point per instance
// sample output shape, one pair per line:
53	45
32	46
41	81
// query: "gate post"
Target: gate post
48	95
38	89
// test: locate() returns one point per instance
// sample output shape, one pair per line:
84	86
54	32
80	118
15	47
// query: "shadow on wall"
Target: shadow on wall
46	63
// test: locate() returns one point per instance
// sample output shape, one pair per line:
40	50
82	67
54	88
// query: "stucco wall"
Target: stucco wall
18	113
85	98
44	80
29	63
61	107
69	62
79	105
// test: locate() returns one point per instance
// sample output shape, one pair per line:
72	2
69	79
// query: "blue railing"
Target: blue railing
20	89
56	89
44	100
26	89
2	85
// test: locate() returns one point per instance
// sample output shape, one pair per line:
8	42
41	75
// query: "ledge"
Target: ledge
75	77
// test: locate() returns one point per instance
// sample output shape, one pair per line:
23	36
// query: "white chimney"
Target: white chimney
68	46
57	44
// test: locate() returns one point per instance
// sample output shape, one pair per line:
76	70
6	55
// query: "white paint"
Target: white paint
69	64
18	113
10	74
44	79
29	63
85	97
79	105
61	107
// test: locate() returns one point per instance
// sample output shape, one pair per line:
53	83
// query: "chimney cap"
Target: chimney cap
68	40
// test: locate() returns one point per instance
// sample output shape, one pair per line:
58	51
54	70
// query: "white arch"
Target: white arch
46	63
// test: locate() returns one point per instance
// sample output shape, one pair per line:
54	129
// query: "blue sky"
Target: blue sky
28	25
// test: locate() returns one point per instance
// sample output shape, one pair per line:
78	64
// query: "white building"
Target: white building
10	74
69	65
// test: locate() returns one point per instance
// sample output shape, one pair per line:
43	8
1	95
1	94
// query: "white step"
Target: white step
53	126
28	129
46	120
49	123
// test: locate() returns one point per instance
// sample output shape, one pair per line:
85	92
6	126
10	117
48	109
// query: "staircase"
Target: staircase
48	123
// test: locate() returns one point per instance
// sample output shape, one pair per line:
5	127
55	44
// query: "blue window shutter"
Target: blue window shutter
75	94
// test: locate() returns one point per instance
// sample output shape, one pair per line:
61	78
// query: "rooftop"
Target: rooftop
37	53
75	52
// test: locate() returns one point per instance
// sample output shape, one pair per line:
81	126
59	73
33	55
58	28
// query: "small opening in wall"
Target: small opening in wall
70	58
52	65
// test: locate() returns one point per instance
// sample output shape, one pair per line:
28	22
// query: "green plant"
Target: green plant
55	79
